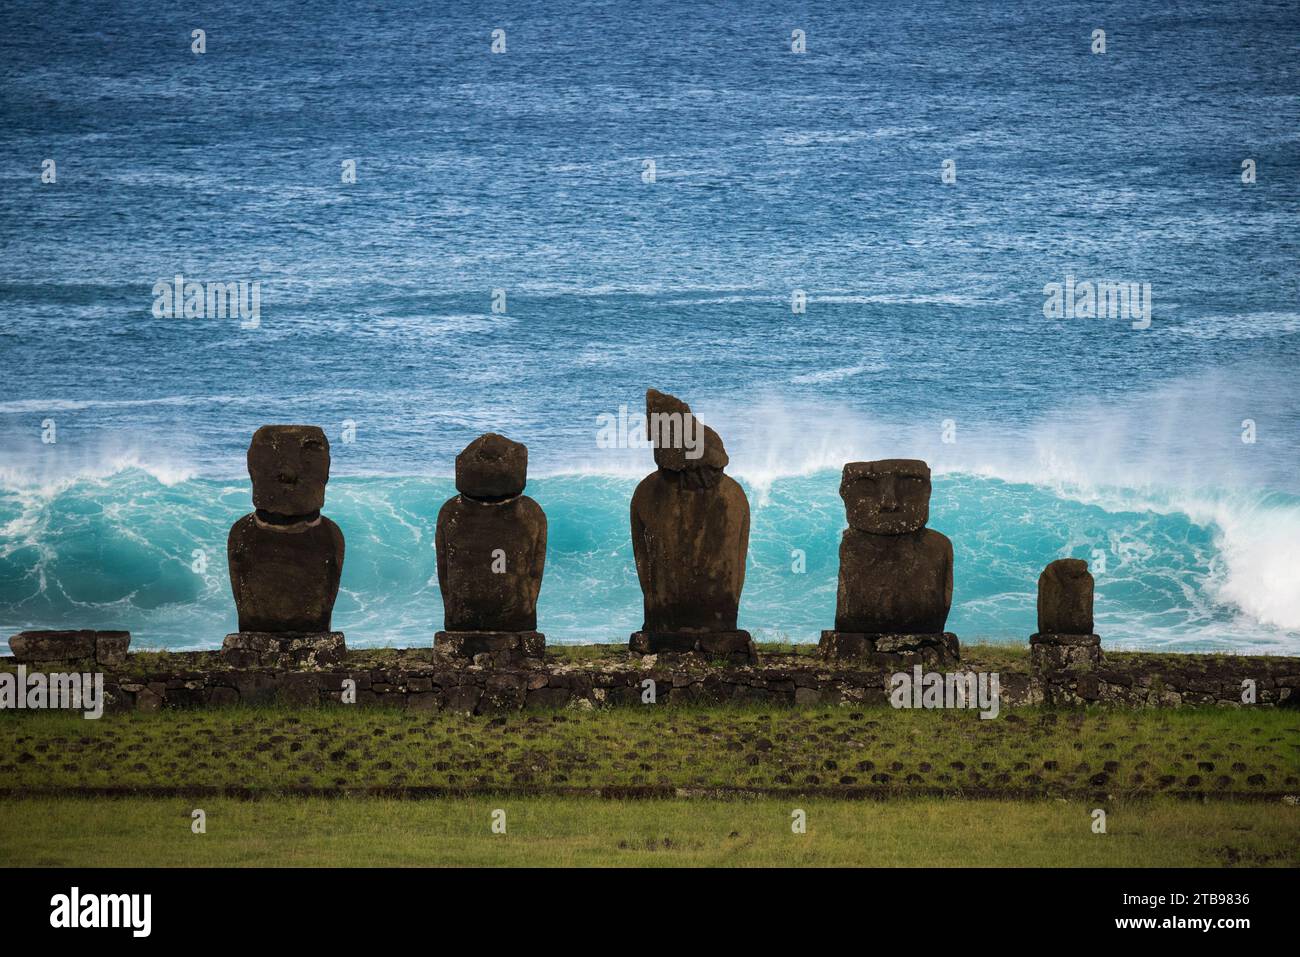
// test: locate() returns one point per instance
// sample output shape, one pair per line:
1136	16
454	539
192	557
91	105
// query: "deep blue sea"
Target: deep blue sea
521	179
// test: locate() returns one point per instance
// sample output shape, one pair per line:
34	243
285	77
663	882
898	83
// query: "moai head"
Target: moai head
492	467
888	497
1065	598
682	443
289	466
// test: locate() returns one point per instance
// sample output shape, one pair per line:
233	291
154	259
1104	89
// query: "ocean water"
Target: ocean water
924	333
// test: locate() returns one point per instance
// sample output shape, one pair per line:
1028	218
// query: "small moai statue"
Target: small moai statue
1065	638
895	583
491	541
285	557
690	537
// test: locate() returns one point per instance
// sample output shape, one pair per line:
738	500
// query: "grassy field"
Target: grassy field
1026	753
670	785
568	831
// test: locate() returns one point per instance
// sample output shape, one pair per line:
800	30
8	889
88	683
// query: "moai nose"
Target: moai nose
288	478
888	498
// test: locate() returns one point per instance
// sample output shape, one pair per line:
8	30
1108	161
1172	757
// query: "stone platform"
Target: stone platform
105	648
1057	652
732	645
598	676
936	651
265	649
490	647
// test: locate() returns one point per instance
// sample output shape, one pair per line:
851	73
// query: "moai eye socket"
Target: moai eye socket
868	486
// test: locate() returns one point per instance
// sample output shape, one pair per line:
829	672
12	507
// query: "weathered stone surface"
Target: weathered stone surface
300	688
681	442
111	648
690	535
886	497
892	650
285	577
221	697
108	648
261	649
894	583
499	647
1056	652
492	467
417	678
1065	591
491	556
721	644
289	466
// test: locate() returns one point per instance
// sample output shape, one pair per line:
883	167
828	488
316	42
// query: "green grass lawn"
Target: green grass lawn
828	751
590	831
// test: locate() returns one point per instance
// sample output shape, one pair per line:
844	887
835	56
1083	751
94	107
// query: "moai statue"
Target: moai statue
491	542
286	557
1065	638
690	535
895	585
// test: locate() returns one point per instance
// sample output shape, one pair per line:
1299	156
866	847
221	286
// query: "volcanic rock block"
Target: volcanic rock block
1054	652
933	651
690	534
491	544
491	647
107	648
895	580
262	649
733	645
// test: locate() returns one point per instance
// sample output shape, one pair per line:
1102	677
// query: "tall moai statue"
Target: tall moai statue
690	537
895	583
286	557
491	542
1065	638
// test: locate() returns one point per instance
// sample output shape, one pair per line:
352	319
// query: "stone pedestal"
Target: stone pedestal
491	647
892	651
283	649
107	648
1054	652
736	645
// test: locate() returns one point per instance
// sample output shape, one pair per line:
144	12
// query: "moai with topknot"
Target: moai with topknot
690	536
1065	638
491	542
895	582
285	557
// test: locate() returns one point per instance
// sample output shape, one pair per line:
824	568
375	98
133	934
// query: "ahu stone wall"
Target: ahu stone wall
613	676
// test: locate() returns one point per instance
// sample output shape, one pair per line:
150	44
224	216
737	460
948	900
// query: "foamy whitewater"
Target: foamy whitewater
1166	457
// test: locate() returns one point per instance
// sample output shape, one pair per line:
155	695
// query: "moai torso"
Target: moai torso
690	528
286	558
285	577
1065	590
895	574
491	541
690	543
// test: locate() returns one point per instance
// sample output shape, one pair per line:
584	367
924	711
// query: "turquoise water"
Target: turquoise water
775	172
130	549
